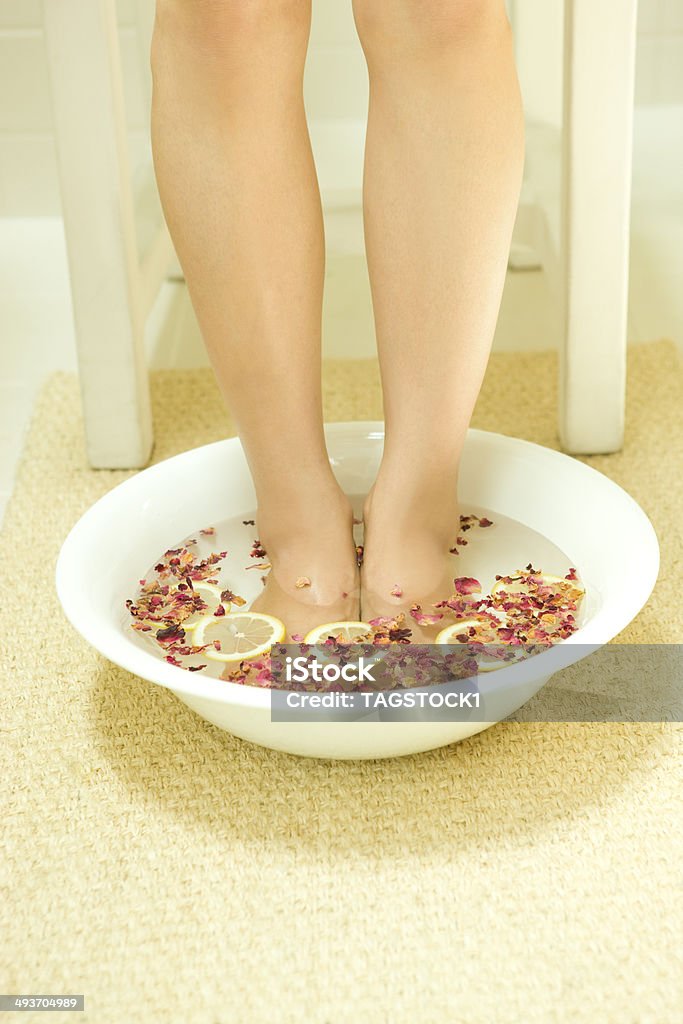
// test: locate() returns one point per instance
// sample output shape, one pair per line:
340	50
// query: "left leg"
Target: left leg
443	168
236	175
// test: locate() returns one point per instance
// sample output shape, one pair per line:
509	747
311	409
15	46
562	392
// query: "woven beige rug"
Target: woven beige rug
173	873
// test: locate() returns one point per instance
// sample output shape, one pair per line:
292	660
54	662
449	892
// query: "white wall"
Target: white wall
538	38
659	68
335	88
538	49
336	82
28	172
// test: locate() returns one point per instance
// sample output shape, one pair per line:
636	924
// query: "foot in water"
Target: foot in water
314	575
407	565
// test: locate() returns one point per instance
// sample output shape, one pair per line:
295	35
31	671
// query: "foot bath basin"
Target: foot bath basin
563	510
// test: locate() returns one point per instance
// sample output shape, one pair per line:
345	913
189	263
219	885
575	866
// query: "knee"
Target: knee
426	27
224	25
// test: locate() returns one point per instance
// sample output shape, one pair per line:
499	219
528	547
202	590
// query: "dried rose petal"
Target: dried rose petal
302	581
400	636
467	585
422	618
506	633
523	613
220	611
209	531
170	633
381	620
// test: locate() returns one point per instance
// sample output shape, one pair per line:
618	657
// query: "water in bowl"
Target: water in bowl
483	552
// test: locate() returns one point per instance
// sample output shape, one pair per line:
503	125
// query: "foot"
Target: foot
314	574
406	560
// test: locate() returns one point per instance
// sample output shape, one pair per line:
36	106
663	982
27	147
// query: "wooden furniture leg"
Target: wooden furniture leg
600	41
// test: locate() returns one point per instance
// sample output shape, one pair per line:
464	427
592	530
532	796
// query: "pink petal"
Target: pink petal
467	585
422	618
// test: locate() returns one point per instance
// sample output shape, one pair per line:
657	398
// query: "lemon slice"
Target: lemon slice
154	626
450	633
208	590
211	594
242	635
345	632
547	577
518	587
484	664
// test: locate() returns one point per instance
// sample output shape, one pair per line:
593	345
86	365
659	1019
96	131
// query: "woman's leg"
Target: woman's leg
238	185
443	170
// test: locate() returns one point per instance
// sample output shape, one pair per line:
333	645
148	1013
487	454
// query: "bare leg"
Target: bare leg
443	170
238	185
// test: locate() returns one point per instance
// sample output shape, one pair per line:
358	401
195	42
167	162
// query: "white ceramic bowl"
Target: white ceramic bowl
605	533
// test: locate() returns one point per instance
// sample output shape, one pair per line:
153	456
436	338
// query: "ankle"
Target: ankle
297	524
427	509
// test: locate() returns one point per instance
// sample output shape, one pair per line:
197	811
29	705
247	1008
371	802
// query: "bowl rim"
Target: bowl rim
122	651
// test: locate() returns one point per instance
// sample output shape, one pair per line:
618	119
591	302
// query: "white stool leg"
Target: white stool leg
97	205
600	39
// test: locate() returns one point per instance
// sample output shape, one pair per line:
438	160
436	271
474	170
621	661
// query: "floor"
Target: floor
166	848
38	335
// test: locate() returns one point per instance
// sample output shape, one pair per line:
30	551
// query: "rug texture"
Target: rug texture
173	873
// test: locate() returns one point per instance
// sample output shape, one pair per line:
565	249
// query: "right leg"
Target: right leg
443	168
238	185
